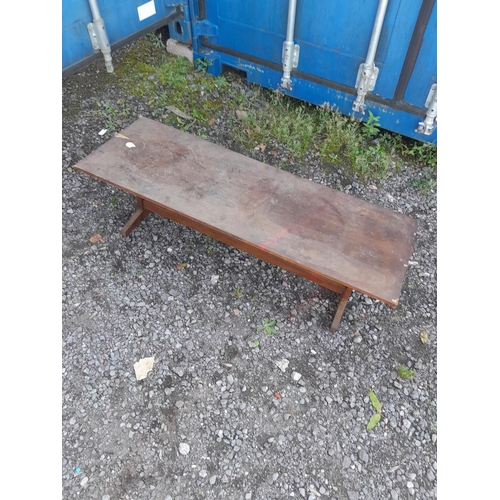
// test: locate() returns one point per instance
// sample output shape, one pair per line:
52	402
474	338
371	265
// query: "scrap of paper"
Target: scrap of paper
143	367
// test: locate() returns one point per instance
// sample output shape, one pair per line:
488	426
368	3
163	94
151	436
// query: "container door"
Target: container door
124	21
333	39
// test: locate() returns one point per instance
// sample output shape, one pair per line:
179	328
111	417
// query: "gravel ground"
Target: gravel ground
217	417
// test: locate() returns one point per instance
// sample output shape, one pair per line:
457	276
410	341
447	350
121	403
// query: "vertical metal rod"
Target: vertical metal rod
289	57
290	27
368	72
96	14
99	30
377	29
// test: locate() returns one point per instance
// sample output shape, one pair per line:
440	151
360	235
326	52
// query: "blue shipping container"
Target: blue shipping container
357	56
93	27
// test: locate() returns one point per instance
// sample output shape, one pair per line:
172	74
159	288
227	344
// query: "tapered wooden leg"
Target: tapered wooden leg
340	309
140	214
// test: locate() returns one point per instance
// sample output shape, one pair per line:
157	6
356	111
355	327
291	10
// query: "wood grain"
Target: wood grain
329	236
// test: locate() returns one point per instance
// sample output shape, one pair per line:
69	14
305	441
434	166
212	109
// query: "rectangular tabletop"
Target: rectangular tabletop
325	233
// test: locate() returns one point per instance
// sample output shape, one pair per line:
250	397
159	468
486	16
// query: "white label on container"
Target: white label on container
146	10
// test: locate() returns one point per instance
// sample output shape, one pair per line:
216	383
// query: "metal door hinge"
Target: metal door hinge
365	82
429	124
290	59
204	28
99	40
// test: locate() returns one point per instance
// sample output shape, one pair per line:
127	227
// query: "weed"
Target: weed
110	112
221	82
237	293
114	202
255	344
125	113
267	326
373	161
202	65
406	373
302	128
173	76
239	98
371	127
155	40
424	154
160	79
375	418
425	185
106	109
210	244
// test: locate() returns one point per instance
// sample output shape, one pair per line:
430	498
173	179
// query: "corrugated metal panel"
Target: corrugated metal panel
333	36
124	21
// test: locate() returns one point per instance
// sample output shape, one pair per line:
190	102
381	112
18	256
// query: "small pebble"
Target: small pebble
183	448
363	456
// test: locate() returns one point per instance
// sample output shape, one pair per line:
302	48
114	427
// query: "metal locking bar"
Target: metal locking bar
368	72
290	54
429	124
98	35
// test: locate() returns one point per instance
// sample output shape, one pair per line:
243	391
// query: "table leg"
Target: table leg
140	214
340	309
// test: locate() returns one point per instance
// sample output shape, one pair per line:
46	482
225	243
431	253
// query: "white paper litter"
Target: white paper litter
143	367
103	131
282	364
130	145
